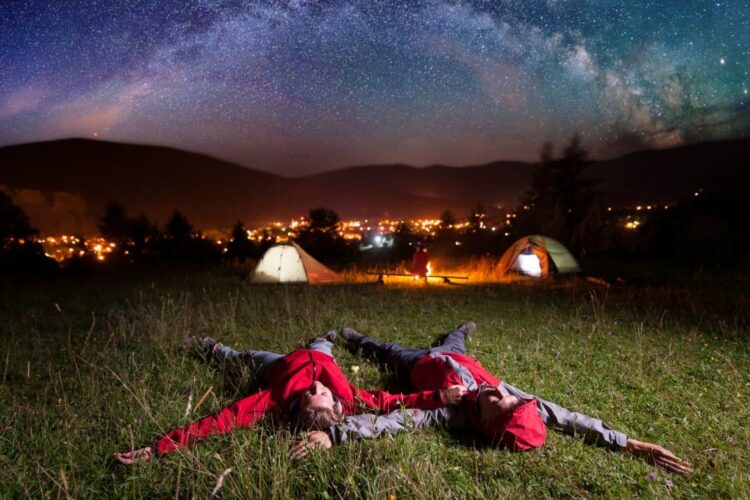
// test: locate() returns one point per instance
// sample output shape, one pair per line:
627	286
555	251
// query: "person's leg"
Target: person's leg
324	343
321	344
398	358
236	362
455	341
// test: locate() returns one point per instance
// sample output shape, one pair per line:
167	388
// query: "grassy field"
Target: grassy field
89	367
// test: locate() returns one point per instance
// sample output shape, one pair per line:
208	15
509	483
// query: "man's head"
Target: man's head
318	408
509	420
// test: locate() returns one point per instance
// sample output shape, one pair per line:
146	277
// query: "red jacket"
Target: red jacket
419	263
431	373
290	376
521	430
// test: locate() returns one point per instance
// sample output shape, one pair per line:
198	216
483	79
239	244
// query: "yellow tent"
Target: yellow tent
537	256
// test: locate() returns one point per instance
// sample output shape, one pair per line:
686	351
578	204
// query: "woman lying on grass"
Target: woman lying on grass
306	385
501	413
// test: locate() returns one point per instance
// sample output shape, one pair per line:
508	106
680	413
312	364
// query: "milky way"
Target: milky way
296	87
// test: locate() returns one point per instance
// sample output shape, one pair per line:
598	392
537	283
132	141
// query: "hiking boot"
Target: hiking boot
351	335
467	328
194	343
210	344
202	347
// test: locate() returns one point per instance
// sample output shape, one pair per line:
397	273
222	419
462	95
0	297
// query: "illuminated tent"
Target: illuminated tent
291	264
537	256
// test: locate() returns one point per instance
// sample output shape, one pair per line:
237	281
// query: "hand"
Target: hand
658	456
452	395
131	457
313	440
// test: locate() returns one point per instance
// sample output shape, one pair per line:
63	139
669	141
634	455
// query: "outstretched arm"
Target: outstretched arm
134	456
425	400
561	419
658	456
243	413
597	432
370	426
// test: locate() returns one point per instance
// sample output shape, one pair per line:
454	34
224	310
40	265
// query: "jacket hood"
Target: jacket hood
522	430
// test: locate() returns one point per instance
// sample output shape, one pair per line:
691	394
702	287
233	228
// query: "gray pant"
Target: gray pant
257	362
401	359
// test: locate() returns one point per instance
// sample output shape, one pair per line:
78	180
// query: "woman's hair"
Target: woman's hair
318	419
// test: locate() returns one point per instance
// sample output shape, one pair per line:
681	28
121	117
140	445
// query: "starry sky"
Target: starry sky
296	87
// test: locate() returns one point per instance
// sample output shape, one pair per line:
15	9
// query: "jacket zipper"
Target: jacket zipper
314	367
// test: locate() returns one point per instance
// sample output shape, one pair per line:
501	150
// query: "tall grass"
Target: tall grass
90	367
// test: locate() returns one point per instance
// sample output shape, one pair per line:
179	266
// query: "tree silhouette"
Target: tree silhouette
178	228
447	221
115	225
403	239
477	217
142	234
240	246
18	253
321	238
323	219
13	221
444	242
560	197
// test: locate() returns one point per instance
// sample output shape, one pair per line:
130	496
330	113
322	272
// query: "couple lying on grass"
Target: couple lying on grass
307	388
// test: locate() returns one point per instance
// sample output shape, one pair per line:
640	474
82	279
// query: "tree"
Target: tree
240	246
178	228
477	217
560	197
18	253
321	238
447	221
444	242
114	224
477	238
402	245
179	241
323	219
142	233
13	221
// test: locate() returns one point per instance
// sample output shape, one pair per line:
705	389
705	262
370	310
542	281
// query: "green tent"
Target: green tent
537	256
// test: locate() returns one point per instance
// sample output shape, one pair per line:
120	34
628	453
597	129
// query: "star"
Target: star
300	87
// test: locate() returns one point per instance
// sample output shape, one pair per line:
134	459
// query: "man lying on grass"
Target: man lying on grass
501	413
305	386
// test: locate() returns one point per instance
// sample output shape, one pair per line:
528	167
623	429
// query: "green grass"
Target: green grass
90	367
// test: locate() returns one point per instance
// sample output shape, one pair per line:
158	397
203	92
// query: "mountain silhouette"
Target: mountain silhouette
75	178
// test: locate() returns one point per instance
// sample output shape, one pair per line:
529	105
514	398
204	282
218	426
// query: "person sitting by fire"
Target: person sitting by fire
420	262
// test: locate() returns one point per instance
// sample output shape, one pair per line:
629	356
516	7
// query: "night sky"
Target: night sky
297	87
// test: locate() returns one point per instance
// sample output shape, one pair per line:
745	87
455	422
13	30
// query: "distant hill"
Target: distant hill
64	185
663	175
